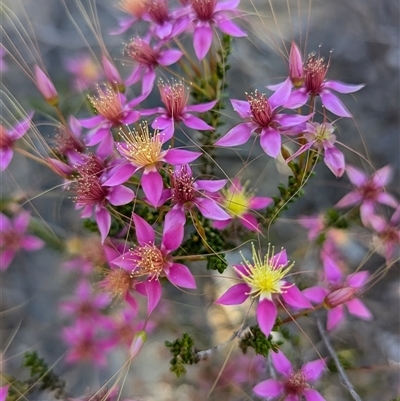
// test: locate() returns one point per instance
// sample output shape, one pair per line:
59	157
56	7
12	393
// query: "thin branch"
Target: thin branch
335	358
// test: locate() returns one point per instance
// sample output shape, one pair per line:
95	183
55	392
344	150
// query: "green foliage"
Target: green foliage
217	262
256	339
183	354
334	219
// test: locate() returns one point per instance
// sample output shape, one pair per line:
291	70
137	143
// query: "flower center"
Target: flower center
134	7
260	108
315	71
148	259
370	190
67	143
117	283
141	52
323	132
141	148
182	185
204	9
107	103
174	97
236	202
158	10
296	383
264	276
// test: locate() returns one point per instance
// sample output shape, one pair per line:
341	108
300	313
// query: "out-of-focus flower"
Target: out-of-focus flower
295	66
152	261
86	72
13	237
8	137
4	392
320	136
46	87
261	116
175	98
368	191
239	202
264	278
294	384
144	151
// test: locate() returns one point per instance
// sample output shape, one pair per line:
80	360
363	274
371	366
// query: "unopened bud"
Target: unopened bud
137	343
339	296
46	87
113	75
295	66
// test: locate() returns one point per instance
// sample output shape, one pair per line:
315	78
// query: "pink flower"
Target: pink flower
204	15
239	202
294	384
113	110
175	98
4	389
153	261
148	59
321	137
13	238
136	9
186	193
69	140
261	117
339	291
94	190
9	136
368	191
264	278
314	84
144	151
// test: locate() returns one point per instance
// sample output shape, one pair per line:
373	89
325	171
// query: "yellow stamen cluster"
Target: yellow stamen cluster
236	201
265	275
149	261
142	148
107	103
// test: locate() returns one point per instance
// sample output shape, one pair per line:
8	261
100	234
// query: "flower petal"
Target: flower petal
315	294
266	315
202	39
180	276
120	195
180	156
242	107
333	104
312	395
168	57
281	364
172	237
201	108
144	231
237	135
230	28
103	219
334	159
335	316
152	185
269	388
341	87
270	141
153	292
293	297
357	308
314	369
235	295
196	123
210	209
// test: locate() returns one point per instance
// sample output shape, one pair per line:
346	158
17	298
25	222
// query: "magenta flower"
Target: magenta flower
314	224
8	137
94	191
239	202
387	238
206	14
320	136
86	72
153	261
264	278
46	87
314	84
4	389
175	98
186	193
294	384
368	191
148	59
261	117
113	110
13	238
144	151
339	291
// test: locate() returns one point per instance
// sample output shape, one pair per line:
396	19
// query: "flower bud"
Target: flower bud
339	296
295	66
137	343
46	87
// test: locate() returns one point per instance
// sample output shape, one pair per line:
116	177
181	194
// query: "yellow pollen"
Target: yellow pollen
107	103
149	261
142	148
236	202
264	275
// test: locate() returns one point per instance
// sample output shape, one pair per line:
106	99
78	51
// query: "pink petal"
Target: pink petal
120	195
341	87
120	175
266	315
331	269
312	395
249	221
269	388
103	219
352	198
357	308
152	185
259	202
333	104
153	291
148	81
162	122
5	158
356	176
314	369
315	294
4	392
270	141
169	57
211	210
144	231
201	108
281	95
357	280
334	159
387	199
335	316
172	237
290	120
242	107
296	99
383	176
281	364
31	243
238	135
280	258
196	123
231	29
202	39
180	276
179	156
293	297
210	185
235	295
6	258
